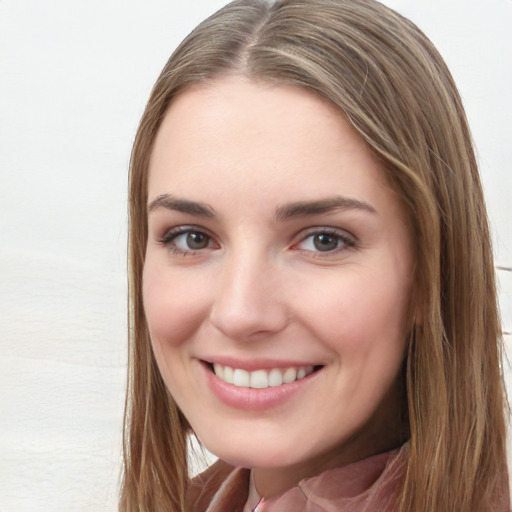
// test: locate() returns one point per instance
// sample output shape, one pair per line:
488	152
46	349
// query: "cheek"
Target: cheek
361	314
174	307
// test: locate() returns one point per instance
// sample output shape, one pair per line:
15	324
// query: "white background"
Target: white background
74	78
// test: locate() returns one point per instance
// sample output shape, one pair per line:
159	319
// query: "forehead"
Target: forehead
241	128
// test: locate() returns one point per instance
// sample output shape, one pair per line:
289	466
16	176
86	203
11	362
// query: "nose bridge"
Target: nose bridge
248	301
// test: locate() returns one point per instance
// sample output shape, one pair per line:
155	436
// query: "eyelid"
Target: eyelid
169	233
348	240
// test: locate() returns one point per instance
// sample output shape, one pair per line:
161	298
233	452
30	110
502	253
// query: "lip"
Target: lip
250	399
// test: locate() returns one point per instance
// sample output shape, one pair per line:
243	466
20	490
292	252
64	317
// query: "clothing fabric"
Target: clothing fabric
363	486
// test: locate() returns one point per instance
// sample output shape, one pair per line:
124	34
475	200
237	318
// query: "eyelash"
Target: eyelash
346	241
171	235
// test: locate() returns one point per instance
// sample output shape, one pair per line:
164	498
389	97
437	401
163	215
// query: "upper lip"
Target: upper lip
258	363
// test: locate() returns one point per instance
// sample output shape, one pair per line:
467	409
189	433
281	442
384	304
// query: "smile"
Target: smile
260	379
257	389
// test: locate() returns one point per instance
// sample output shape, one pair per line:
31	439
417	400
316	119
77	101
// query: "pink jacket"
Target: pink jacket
364	486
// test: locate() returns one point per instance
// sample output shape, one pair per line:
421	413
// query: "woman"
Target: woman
311	280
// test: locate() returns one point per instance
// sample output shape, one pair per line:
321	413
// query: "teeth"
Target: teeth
219	370
275	377
289	375
241	378
260	379
227	375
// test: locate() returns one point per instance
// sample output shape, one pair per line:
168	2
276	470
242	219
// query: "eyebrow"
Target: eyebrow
171	202
287	211
321	206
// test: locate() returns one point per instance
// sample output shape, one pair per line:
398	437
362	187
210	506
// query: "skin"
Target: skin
258	288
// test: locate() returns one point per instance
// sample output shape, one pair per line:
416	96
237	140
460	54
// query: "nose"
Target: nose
250	300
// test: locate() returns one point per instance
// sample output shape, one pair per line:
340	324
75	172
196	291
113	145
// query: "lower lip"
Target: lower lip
251	399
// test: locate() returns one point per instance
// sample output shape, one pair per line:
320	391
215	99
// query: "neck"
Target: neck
382	433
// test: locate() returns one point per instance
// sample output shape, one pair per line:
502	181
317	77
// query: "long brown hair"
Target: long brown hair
389	81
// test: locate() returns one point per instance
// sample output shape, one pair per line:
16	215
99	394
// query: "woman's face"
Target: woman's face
277	278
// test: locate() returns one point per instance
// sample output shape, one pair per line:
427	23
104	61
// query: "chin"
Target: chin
254	454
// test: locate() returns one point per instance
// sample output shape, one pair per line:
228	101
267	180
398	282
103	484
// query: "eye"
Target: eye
325	241
186	240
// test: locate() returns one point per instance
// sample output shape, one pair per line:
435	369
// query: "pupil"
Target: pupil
325	242
197	240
